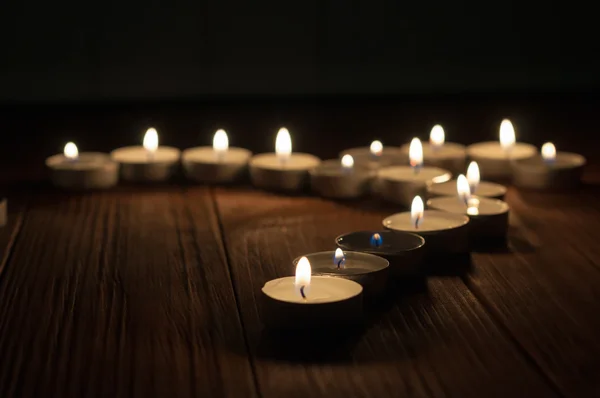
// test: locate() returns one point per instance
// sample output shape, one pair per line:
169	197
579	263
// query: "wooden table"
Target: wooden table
154	292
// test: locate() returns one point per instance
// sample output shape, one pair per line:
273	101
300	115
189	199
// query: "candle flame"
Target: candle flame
463	189
151	140
548	152
376	240
220	141
347	161
303	274
507	135
415	153
437	136
339	259
283	144
71	151
376	148
473	176
417	210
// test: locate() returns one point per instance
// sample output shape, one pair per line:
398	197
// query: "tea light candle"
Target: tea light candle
368	270
495	158
489	217
81	171
149	162
376	155
484	189
550	171
217	164
404	251
306	301
340	179
438	153
282	170
400	184
443	232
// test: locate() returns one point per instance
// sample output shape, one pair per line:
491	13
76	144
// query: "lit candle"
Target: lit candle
218	164
495	158
310	301
376	155
400	184
551	170
404	251
481	188
444	232
81	171
283	170
149	162
489	217
439	153
340	179
370	271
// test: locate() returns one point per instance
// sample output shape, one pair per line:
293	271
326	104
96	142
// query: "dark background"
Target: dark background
73	50
336	73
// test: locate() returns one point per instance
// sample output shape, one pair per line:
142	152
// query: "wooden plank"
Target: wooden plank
120	294
546	289
16	205
434	342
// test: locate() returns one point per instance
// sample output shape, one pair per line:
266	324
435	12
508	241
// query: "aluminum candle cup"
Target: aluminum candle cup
484	189
370	271
331	303
82	171
554	171
404	251
205	165
331	179
489	220
495	158
400	184
147	163
443	232
449	156
376	156
267	172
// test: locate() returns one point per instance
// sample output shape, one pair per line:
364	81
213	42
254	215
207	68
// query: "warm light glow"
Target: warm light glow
415	153
151	140
463	189
220	141
376	148
71	151
283	144
507	135
416	211
473	176
548	152
302	280
347	161
338	258
437	136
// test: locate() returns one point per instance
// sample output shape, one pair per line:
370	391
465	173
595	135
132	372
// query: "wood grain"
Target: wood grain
546	289
120	294
432	342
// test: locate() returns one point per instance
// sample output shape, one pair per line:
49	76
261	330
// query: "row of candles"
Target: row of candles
328	287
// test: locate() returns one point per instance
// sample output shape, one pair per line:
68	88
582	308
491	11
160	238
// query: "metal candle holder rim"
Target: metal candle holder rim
388	231
385	263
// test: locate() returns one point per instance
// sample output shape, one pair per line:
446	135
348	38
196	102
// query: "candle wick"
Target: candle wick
417	219
302	292
340	262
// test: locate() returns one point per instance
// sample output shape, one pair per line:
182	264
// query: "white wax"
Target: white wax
433	220
389	156
564	160
493	150
295	162
535	173
484	189
322	290
86	161
452	204
407	174
449	150
207	155
333	168
139	155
